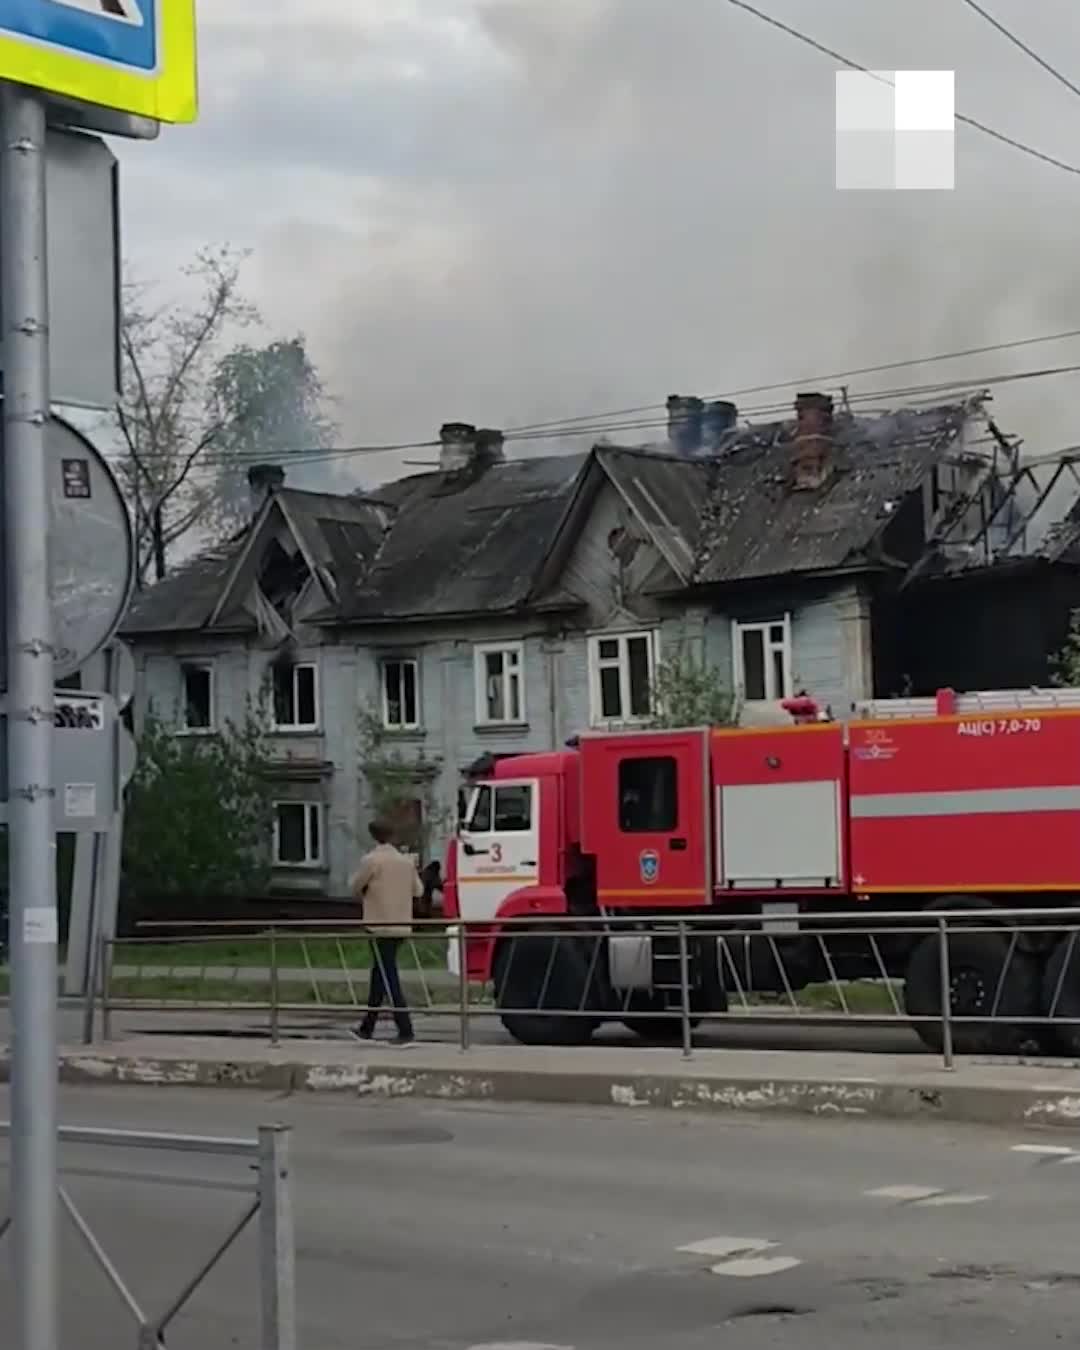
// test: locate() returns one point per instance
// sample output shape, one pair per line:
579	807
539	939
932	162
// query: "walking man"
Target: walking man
386	883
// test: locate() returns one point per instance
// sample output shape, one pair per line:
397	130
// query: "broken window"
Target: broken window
197	696
400	704
295	697
500	684
621	673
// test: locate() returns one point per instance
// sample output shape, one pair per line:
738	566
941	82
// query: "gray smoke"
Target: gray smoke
509	210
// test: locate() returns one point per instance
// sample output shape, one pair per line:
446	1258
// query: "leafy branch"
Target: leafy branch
397	779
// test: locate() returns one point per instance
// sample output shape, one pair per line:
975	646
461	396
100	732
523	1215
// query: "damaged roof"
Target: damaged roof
477	540
755	526
465	544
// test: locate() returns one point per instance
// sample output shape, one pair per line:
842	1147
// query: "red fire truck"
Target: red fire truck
959	802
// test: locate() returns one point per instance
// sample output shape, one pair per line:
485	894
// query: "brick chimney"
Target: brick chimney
457	444
263	481
812	443
462	446
686	416
721	418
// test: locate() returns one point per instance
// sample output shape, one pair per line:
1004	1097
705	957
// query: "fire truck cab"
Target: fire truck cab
961	803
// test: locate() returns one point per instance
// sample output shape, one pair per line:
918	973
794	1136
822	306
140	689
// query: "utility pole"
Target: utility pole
31	839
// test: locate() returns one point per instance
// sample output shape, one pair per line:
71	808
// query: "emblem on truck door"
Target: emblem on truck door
650	865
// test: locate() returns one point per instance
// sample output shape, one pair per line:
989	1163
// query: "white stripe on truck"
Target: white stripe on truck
969	802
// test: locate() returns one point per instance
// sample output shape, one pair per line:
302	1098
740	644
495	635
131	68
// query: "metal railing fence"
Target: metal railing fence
268	1203
968	991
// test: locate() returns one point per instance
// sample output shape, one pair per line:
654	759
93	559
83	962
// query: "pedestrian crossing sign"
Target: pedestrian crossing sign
135	56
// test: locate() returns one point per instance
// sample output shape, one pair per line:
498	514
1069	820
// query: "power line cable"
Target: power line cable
1018	42
927	392
812	379
854	65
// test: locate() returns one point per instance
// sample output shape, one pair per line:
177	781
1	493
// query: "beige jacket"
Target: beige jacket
387	883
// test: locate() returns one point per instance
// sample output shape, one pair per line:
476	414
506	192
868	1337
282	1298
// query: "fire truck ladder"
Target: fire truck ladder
993	702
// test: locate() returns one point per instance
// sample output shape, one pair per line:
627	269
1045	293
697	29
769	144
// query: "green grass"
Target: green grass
323	953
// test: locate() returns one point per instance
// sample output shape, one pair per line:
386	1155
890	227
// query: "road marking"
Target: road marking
749	1267
727	1246
955	1198
1072	1158
1047	1150
519	1345
904	1192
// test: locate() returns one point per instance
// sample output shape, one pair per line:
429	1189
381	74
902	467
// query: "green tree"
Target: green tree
402	785
687	692
195	412
1065	663
268	401
199	817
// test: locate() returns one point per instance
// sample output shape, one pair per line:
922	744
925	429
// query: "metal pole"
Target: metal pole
463	986
274	990
277	1241
31	840
684	993
107	953
946	993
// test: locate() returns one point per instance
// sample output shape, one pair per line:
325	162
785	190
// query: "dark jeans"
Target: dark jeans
385	979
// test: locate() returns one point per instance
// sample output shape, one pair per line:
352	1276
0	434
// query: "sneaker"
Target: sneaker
362	1033
401	1040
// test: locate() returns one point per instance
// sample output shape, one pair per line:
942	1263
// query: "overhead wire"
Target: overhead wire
865	400
1007	32
854	65
814	379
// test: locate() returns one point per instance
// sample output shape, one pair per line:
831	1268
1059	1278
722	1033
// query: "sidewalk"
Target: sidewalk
839	1085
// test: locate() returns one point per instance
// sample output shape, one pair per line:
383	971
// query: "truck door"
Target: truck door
645	819
499	845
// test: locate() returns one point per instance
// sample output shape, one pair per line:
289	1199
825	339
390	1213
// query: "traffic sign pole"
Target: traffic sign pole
31	840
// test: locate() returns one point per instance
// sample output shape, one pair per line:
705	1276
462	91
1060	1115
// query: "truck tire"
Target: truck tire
1063	969
977	965
540	985
647	1019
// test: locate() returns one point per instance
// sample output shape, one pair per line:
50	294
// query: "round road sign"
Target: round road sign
91	548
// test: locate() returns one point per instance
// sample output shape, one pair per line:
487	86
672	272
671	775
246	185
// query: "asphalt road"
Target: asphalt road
450	1227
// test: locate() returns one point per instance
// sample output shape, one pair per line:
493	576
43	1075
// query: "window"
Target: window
500	685
621	671
480	815
400	703
298	834
296	698
196	696
513	807
763	660
648	795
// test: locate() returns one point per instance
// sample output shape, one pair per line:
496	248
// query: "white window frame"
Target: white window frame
196	663
295	672
763	626
481	652
597	716
312	811
384	699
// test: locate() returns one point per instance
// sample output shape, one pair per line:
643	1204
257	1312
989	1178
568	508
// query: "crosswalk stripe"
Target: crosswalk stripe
955	1198
750	1267
904	1192
727	1246
1047	1150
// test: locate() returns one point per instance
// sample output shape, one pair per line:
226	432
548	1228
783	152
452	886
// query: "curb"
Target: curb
1037	1105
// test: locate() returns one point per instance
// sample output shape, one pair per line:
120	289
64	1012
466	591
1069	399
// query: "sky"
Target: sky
508	211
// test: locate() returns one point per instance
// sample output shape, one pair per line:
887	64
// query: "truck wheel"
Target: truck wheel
1061	994
978	964
648	1019
540	985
